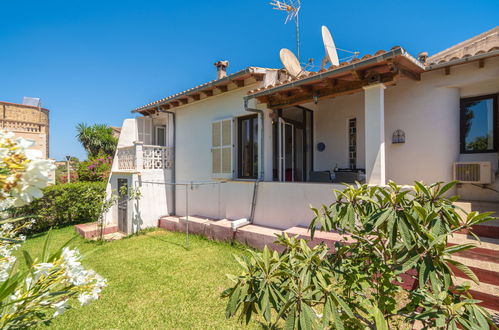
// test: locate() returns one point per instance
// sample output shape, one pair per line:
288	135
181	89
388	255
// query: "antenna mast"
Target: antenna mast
292	7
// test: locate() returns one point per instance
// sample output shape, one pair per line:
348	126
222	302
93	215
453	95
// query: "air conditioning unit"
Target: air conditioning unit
473	172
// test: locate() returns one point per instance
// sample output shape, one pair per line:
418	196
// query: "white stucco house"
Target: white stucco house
262	145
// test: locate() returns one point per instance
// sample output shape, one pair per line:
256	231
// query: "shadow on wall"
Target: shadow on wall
137	221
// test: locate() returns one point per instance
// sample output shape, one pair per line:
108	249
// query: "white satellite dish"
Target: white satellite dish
290	62
331	53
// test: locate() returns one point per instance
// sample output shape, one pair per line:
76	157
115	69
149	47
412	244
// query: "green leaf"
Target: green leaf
379	319
27	259
46	246
338	323
290	320
307	317
457	248
233	301
468	272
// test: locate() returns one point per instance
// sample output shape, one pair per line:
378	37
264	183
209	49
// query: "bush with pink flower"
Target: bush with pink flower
95	169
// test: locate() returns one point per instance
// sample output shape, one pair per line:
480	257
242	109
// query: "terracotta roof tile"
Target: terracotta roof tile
483	43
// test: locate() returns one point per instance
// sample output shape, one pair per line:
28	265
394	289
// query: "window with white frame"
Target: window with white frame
160	135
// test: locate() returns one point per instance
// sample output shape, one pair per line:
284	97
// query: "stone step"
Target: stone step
488	229
92	229
483	260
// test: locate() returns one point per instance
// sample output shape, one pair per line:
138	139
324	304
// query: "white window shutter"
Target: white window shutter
221	150
144	130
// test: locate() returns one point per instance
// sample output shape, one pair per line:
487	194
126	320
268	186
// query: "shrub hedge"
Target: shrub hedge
65	204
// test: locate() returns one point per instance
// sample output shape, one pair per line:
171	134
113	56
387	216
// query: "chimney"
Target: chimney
422	57
222	69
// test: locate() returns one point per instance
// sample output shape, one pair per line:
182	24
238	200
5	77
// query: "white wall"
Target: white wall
331	127
279	204
193	153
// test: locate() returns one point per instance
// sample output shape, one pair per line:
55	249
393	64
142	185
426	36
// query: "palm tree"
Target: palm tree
97	139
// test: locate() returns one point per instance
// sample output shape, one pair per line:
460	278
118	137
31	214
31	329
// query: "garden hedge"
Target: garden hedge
65	204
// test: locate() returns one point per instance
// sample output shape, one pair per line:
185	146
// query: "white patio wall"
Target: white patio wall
279	204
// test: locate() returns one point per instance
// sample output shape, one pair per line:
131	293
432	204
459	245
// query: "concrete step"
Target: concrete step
92	229
483	260
488	229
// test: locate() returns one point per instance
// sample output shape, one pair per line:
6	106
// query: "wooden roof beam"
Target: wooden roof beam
183	100
239	83
223	88
196	97
207	92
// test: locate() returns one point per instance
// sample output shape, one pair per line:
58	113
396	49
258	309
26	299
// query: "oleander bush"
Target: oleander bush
392	233
49	283
64	204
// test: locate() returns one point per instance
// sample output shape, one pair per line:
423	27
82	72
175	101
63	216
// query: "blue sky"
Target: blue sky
94	61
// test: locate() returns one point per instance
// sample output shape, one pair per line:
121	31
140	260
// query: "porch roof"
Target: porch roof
207	90
348	77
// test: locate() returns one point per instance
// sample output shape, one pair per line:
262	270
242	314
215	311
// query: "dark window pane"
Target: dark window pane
478	125
248	147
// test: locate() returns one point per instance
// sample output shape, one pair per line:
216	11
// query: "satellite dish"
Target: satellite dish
290	62
329	46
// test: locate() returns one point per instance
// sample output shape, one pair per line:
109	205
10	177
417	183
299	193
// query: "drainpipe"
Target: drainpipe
174	175
262	157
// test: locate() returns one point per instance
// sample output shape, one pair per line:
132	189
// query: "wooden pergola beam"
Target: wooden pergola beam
282	99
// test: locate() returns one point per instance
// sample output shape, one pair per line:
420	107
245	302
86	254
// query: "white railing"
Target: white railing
126	158
145	157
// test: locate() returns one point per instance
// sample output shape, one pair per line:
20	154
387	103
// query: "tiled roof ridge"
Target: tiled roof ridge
485	42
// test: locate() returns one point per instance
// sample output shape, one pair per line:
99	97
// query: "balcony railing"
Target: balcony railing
141	157
21	126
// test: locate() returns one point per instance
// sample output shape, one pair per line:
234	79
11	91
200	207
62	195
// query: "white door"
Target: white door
286	156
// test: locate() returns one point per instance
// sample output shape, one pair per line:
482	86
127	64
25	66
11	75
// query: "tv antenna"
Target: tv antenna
292	7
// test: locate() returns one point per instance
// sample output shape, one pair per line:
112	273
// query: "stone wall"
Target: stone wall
28	122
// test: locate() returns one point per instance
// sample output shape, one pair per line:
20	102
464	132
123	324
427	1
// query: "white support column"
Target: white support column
374	103
139	156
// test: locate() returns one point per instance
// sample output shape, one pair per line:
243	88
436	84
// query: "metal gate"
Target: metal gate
123	205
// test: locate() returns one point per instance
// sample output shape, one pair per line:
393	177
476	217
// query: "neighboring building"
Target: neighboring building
386	116
116	131
27	121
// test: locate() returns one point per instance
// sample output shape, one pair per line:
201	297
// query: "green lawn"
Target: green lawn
153	282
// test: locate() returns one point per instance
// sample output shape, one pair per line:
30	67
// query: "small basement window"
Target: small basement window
478	124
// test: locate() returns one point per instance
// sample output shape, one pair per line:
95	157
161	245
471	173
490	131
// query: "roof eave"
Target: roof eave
214	83
399	51
463	60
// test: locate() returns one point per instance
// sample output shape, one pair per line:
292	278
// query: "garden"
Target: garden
153	282
149	280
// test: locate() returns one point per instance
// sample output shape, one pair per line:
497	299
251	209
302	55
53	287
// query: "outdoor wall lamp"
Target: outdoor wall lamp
316	97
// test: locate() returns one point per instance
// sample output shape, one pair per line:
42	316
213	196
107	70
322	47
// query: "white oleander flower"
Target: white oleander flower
60	307
43	269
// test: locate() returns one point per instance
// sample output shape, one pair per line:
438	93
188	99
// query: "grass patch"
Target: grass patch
153	281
